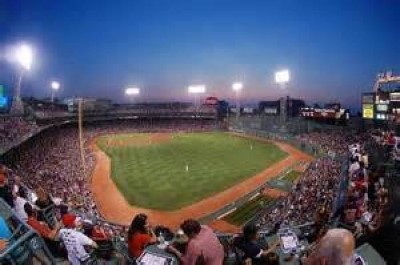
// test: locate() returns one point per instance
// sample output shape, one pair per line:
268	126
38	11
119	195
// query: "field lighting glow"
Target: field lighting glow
24	56
282	76
237	86
197	89
55	85
132	91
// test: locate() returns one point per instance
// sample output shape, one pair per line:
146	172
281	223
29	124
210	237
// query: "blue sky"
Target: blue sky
333	49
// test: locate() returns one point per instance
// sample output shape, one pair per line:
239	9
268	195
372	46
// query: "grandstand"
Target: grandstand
42	155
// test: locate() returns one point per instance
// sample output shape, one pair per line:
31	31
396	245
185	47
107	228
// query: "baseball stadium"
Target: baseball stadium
202	174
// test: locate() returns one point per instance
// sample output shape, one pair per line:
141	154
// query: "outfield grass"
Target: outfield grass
292	176
154	176
248	210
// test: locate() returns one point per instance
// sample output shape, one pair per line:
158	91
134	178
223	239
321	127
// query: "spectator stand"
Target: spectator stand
24	243
14	130
343	185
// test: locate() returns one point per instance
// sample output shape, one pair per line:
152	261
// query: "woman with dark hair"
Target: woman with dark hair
203	246
248	243
139	235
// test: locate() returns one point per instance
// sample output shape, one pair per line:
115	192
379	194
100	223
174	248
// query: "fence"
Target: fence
23	243
344	180
292	125
313	150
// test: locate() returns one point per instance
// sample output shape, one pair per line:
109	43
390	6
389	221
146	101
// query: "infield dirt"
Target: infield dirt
114	207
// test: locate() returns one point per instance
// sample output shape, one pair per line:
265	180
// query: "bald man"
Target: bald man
336	247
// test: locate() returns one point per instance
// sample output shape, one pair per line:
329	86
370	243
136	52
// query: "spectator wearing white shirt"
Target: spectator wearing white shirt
353	166
75	241
17	185
19	202
353	148
365	158
357	156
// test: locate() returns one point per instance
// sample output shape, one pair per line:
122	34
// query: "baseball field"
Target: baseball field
170	171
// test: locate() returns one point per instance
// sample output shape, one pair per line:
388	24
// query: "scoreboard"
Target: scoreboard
3	99
376	106
332	112
384	102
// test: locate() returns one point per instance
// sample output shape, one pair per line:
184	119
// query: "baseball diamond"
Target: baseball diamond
170	171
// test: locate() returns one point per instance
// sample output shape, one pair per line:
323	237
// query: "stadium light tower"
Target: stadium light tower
237	87
282	78
197	90
55	86
23	55
132	92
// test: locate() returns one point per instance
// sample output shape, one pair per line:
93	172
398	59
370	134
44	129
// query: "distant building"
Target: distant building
383	104
288	107
88	104
211	101
222	109
269	107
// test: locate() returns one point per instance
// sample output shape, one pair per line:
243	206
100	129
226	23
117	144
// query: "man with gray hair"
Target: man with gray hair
336	247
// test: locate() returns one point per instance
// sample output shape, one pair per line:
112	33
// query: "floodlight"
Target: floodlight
282	77
24	56
237	86
132	91
197	89
55	85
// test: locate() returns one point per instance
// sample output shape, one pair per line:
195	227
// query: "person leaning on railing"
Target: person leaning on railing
203	247
140	235
49	235
248	243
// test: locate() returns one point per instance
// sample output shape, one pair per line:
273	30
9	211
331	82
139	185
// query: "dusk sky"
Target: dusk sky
333	49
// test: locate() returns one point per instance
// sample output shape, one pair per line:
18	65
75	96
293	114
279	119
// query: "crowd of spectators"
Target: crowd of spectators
366	195
49	163
12	129
334	141
315	190
94	108
314	196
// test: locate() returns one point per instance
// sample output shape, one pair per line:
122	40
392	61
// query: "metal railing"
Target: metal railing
24	243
